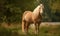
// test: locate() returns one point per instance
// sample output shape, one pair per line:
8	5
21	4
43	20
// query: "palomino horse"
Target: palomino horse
32	17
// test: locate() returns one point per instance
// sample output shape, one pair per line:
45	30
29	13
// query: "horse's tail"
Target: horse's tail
23	23
22	26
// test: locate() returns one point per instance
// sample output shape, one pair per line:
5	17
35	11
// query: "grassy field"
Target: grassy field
15	30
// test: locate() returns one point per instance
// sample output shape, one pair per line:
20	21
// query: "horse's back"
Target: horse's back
26	12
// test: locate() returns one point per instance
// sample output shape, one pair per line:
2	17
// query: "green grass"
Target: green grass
44	31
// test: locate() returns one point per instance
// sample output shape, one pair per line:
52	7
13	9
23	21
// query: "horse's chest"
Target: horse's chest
36	20
35	17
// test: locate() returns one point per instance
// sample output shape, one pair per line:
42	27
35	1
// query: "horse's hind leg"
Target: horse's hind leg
27	27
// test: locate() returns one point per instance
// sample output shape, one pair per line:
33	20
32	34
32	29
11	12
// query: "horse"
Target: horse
34	17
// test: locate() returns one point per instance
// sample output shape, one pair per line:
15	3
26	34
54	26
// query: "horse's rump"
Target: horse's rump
27	16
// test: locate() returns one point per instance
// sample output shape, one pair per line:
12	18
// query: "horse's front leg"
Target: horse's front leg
37	28
38	25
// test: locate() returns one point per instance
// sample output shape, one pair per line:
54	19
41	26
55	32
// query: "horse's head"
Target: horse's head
41	8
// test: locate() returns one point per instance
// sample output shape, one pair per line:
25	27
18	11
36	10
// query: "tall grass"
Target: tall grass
44	31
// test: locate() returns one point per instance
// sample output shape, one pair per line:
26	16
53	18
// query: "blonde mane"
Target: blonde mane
37	9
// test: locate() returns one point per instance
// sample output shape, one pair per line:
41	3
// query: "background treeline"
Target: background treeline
11	10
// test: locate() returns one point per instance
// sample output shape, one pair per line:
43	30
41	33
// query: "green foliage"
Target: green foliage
52	8
16	9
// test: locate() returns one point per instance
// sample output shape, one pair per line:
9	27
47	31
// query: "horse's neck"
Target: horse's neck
36	11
